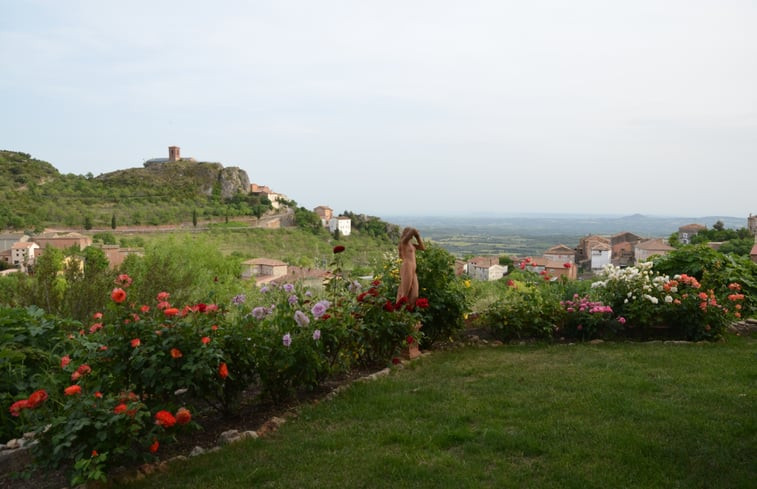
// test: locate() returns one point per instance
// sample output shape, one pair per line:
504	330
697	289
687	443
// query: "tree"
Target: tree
194	217
718	226
87	223
113	221
308	220
47	291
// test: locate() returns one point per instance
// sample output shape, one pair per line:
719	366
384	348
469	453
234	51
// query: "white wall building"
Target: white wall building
486	273
24	253
601	255
343	224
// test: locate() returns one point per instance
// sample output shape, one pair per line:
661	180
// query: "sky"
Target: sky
401	107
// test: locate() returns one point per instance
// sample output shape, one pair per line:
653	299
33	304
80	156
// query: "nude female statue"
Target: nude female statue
408	279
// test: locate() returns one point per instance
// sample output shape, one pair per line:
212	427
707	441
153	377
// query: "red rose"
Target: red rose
421	302
176	353
37	398
64	361
154	447
223	370
135	342
165	419
410	340
118	295
338	249
205	340
84	369
388	306
170	311
72	390
17	406
121	408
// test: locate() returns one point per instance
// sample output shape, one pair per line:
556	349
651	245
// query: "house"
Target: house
585	245
553	268
266	192
623	254
325	213
751	224
685	233
561	253
651	247
7	240
342	223
6	256
624	237
753	253
485	268
622	246
460	267
62	240
116	255
601	255
24	253
263	269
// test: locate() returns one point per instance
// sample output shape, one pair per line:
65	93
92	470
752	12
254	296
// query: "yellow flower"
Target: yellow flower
466	283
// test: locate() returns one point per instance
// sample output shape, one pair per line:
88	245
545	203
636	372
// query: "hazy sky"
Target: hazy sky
402	107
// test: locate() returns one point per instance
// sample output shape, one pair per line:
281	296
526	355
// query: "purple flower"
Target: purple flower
239	299
301	318
293	299
320	307
289	288
308	293
354	287
287	340
264	289
259	312
317	334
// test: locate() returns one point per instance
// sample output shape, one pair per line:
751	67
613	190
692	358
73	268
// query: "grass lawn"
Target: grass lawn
614	415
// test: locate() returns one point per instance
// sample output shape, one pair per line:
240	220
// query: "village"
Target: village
593	252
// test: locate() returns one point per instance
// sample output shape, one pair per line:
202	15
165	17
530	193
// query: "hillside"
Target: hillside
34	195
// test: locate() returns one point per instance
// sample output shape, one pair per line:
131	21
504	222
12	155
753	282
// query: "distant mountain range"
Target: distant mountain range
568	225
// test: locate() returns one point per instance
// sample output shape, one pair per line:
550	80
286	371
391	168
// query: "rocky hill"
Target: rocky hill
34	194
204	177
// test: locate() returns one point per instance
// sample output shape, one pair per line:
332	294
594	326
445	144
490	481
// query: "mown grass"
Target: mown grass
615	415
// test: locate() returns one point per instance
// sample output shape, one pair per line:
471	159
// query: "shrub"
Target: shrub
383	325
448	300
587	319
524	311
28	342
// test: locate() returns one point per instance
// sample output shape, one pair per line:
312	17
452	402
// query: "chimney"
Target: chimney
173	153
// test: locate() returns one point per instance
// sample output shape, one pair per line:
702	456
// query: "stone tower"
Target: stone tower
174	153
751	224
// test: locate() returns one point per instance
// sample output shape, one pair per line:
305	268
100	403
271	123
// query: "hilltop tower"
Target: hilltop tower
174	153
751	223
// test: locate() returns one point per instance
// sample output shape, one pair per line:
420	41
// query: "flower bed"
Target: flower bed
132	378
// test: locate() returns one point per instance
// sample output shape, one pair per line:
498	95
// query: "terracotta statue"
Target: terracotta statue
408	279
